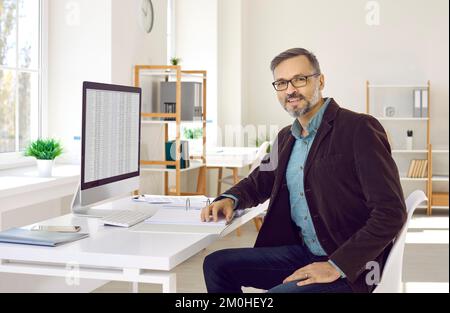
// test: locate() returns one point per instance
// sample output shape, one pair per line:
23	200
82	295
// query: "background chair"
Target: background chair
391	279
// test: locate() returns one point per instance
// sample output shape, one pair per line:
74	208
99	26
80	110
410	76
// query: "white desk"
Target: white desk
112	253
232	157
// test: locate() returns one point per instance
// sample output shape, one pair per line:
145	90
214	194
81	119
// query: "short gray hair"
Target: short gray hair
295	52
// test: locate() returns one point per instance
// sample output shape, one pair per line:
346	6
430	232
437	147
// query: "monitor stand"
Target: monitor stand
80	210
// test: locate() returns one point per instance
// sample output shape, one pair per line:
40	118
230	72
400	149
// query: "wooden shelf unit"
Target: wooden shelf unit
179	74
429	148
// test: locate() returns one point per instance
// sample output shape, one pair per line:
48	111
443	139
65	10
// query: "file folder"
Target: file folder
38	238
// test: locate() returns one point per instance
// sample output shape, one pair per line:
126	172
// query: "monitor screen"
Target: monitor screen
110	134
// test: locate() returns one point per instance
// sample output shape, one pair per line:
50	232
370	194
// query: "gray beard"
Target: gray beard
309	105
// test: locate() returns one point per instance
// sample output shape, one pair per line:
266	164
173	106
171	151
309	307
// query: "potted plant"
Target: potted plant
45	151
195	136
175	61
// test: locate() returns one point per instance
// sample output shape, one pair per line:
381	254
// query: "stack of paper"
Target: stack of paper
179	221
182	217
176	202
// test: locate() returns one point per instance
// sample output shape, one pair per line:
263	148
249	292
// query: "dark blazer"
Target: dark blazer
352	187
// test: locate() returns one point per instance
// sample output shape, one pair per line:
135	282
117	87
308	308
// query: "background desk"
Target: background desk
233	158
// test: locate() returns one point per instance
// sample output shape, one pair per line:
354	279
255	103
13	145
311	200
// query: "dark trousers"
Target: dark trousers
264	268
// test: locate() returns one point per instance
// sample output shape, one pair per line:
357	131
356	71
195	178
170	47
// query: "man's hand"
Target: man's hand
315	273
224	206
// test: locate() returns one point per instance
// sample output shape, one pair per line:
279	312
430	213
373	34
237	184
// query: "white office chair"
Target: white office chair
229	180
391	279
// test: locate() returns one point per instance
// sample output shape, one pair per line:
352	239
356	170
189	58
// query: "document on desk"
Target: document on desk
180	221
38	238
176	202
181	217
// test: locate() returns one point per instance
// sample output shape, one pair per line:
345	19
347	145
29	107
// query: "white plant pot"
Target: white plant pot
45	168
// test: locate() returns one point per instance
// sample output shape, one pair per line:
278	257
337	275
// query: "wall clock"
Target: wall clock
146	15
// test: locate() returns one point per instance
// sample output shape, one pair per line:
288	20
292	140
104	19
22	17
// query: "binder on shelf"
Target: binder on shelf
420	103
417	105
198	106
169	107
424	103
191	99
411	169
184	153
419	169
424	169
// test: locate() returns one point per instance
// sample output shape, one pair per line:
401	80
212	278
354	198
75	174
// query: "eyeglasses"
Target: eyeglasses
297	82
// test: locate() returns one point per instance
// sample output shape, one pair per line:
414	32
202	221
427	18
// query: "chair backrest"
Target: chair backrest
391	279
262	150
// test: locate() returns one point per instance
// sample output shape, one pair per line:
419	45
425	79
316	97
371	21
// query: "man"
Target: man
336	202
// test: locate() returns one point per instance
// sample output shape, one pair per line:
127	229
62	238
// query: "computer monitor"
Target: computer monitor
110	145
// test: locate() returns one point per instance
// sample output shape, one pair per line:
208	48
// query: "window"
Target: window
20	73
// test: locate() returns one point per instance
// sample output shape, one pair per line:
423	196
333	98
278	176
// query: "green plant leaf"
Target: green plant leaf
193	133
175	61
44	149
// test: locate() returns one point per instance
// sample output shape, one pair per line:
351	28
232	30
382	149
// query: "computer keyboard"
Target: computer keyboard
125	218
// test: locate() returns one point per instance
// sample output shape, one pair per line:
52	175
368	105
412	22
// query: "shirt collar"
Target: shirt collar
314	123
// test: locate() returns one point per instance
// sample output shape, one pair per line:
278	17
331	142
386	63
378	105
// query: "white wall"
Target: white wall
130	44
100	41
229	63
97	41
79	49
196	45
196	30
409	46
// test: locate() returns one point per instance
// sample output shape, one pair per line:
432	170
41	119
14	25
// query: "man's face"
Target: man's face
298	101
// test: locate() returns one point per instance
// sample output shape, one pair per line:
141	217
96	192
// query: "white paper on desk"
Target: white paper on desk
178	202
214	228
182	217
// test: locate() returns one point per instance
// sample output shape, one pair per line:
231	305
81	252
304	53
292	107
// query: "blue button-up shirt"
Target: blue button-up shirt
295	180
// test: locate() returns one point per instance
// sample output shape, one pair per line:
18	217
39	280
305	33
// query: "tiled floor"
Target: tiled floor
426	259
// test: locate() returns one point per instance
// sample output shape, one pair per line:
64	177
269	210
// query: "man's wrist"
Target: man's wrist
230	196
341	273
